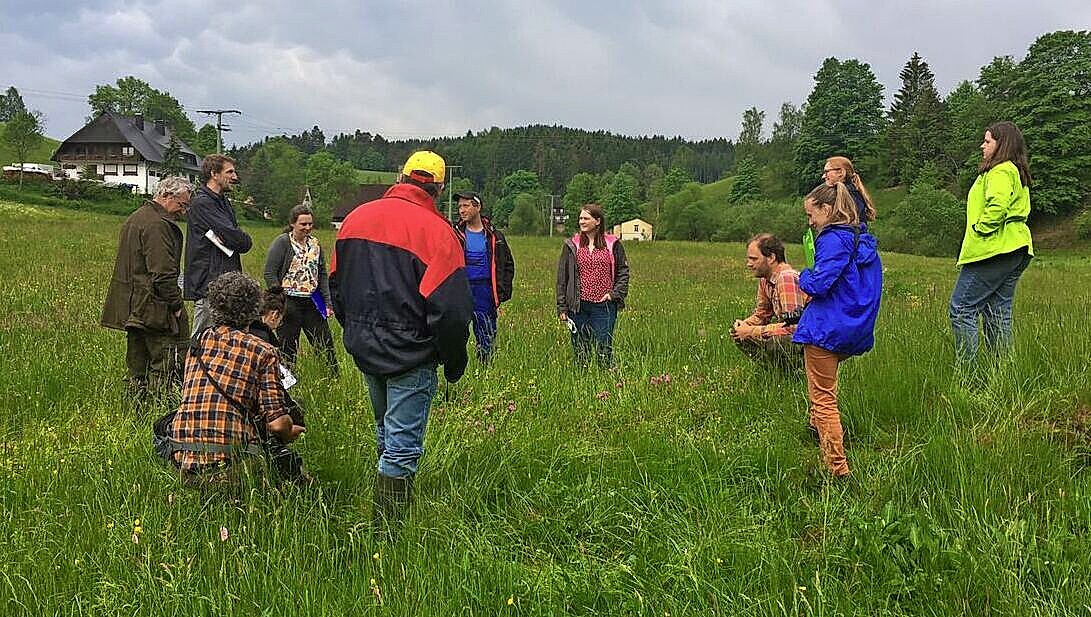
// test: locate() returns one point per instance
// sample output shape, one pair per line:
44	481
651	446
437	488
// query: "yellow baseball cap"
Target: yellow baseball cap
425	166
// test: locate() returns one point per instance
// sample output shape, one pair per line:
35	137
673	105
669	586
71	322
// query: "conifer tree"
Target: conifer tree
915	134
844	116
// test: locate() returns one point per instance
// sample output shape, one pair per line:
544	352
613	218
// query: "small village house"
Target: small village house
363	194
118	149
635	229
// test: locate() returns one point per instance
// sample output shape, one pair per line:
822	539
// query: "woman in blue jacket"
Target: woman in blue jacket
845	286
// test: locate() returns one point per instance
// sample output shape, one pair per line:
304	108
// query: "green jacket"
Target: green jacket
996	215
144	292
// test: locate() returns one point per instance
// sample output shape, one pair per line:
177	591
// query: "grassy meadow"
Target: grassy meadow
41	154
547	490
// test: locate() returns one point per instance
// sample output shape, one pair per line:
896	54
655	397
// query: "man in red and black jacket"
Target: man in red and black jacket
489	267
399	288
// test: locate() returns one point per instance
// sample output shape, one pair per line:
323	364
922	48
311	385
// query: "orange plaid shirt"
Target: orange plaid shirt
777	295
246	368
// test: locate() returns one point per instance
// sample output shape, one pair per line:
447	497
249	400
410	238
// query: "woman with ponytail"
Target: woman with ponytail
845	285
840	169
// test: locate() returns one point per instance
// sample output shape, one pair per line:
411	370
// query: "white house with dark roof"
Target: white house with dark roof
123	150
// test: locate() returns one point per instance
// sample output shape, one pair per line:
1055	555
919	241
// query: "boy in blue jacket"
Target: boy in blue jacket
845	286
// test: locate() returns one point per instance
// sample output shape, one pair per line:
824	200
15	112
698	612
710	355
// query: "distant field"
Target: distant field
365	176
40	155
546	490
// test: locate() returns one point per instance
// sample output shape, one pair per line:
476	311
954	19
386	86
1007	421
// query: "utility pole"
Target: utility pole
450	191
552	219
220	126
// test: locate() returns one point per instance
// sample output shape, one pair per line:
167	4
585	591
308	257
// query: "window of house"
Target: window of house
109	170
130	170
636	226
127	151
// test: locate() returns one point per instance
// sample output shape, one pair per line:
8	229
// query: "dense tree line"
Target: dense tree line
554	153
925	140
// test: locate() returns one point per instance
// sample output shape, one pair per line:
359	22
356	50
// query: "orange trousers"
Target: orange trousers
821	367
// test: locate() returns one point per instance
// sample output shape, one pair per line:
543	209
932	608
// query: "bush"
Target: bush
67	194
929	221
75	190
1083	224
783	219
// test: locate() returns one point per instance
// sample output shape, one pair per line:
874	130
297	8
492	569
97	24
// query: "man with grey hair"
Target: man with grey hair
144	299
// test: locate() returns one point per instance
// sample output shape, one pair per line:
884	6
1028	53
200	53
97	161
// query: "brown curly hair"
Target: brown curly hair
234	299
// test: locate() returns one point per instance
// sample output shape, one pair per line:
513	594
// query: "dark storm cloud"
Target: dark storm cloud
433	68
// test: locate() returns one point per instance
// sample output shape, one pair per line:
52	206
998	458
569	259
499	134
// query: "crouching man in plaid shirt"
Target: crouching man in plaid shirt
764	335
233	401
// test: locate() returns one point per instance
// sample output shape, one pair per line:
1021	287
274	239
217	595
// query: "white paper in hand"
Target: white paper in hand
287	378
214	239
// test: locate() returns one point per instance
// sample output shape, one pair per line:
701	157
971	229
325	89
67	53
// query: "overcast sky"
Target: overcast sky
422	68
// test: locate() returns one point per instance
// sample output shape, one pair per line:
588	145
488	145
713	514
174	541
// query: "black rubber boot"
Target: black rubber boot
390	504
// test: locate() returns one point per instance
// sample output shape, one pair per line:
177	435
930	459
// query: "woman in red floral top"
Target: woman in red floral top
592	282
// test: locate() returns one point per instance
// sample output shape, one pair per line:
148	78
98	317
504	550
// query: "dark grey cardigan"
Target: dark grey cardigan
568	278
279	259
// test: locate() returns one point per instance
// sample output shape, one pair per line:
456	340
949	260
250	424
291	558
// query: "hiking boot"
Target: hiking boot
390	504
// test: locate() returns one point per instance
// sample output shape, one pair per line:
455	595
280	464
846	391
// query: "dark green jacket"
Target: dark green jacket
144	292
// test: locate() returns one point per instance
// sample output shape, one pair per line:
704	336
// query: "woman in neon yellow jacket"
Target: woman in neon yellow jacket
997	247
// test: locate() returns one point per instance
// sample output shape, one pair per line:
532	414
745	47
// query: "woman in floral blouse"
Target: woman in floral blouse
297	263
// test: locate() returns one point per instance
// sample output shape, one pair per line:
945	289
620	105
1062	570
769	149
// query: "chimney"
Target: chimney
161	127
138	120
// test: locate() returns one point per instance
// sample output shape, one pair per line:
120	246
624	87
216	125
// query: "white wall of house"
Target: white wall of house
144	175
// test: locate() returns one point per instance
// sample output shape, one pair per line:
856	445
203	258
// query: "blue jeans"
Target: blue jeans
401	405
594	331
985	289
484	321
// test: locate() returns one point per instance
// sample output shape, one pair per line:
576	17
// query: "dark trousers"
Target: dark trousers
484	319
301	314
594	332
154	361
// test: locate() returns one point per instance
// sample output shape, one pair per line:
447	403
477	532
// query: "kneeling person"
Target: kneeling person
232	399
764	335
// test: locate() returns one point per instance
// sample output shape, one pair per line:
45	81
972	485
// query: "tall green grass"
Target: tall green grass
548	490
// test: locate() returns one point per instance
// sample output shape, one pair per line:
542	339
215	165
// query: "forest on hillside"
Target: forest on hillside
925	141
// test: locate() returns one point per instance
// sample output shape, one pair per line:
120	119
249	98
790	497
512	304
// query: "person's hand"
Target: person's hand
329	312
178	314
564	316
295	432
744	332
605	298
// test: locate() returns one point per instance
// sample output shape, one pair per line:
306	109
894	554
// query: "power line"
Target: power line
220	126
259	124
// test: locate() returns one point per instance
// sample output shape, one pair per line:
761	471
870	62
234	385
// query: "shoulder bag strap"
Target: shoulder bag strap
196	351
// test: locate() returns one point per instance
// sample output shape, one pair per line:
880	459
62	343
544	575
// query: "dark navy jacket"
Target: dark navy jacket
845	288
204	260
399	287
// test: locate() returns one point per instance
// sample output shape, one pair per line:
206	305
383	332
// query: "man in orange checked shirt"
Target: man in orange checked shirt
764	335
